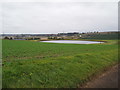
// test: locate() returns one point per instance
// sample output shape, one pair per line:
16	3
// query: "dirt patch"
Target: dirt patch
108	79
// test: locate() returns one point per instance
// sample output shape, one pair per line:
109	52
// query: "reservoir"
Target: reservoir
73	41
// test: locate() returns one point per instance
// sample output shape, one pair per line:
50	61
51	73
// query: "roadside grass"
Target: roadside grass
28	64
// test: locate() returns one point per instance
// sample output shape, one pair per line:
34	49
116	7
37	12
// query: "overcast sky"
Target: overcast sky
62	16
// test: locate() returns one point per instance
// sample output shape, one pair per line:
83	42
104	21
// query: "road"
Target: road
108	79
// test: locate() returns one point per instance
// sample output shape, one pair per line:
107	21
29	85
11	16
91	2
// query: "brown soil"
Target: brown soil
108	79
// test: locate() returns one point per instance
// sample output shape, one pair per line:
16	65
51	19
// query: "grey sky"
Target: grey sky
54	17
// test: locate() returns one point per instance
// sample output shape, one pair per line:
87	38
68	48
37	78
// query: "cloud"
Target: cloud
59	0
49	17
1	18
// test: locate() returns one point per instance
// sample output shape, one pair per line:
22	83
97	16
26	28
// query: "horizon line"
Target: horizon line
60	32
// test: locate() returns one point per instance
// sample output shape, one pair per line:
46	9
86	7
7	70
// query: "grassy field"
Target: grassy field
28	64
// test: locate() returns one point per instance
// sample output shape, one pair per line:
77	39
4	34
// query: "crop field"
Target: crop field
31	64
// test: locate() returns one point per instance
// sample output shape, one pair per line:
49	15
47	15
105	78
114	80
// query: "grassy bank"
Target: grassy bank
28	64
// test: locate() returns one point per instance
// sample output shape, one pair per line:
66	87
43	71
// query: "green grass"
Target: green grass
28	64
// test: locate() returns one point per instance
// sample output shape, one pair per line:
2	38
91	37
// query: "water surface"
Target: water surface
73	41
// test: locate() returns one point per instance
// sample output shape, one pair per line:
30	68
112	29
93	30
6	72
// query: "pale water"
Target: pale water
73	41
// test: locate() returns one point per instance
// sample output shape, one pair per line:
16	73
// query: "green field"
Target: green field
30	64
108	36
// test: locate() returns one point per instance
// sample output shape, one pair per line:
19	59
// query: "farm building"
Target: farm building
43	38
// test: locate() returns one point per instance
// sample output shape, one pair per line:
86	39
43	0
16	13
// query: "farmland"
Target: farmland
30	64
102	36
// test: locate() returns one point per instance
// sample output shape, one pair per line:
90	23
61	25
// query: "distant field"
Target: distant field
109	36
30	64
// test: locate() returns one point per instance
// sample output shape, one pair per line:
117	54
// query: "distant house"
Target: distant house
43	38
80	36
59	37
